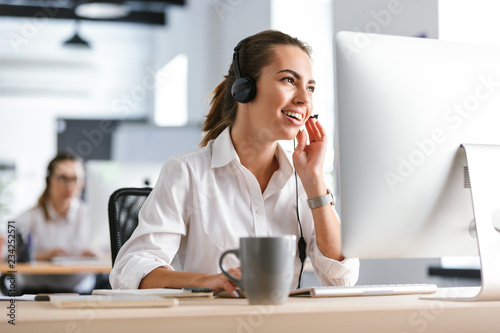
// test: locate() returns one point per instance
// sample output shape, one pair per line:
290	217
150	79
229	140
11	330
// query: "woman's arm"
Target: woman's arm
163	221
47	255
162	277
308	162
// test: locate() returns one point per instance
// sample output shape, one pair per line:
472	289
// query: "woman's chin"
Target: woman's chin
291	136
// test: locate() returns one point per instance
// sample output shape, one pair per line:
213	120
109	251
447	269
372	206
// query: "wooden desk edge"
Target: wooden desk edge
49	268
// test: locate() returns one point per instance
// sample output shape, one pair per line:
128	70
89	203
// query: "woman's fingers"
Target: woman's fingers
315	131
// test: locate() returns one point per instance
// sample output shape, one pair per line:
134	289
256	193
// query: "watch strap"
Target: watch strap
321	200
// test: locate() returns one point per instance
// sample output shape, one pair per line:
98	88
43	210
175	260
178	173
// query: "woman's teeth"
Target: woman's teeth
295	115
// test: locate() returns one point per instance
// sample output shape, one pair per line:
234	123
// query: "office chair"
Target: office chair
123	210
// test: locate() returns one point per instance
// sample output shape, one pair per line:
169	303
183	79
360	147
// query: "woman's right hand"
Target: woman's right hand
220	282
51	254
162	277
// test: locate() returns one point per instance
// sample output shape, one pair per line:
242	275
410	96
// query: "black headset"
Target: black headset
243	90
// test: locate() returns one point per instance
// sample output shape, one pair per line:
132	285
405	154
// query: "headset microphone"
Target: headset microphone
243	89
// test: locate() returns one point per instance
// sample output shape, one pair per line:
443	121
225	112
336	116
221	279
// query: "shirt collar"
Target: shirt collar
285	161
223	153
70	215
223	150
281	177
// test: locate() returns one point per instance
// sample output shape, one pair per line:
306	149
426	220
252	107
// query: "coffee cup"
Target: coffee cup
267	267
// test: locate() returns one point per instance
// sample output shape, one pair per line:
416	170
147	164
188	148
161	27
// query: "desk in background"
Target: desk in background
402	313
44	267
50	268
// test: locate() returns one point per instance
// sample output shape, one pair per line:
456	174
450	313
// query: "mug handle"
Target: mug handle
236	252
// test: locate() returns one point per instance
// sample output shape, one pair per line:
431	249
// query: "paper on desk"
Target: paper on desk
26	297
107	301
163	292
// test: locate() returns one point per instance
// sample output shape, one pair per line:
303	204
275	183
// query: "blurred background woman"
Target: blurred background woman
59	227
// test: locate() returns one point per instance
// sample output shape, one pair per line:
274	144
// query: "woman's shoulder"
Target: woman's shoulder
28	216
195	157
31	211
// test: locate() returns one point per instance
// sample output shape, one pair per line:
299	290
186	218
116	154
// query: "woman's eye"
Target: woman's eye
288	79
311	89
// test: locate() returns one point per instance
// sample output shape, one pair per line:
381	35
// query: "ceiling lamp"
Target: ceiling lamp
101	10
76	40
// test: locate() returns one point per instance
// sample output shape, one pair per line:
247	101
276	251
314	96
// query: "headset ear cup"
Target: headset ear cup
243	89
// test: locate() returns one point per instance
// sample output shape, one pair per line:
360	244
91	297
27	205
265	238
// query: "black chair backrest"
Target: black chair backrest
123	210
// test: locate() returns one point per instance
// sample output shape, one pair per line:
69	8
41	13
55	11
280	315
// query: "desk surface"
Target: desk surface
50	268
405	313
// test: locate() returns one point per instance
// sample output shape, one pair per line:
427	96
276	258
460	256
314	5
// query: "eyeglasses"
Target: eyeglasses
66	180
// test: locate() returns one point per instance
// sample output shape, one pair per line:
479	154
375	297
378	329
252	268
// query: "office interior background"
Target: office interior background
139	93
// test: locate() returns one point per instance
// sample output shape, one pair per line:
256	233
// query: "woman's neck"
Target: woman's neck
257	156
61	206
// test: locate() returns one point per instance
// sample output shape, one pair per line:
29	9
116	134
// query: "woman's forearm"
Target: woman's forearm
162	277
327	228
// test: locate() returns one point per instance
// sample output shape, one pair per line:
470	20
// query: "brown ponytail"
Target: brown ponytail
222	113
256	53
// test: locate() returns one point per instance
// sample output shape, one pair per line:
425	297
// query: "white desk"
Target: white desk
353	314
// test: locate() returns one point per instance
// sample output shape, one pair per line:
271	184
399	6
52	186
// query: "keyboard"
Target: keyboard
366	290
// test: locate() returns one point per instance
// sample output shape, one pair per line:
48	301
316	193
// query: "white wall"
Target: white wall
132	142
391	17
466	21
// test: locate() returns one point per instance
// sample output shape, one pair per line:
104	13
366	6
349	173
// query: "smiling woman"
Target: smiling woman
253	55
242	182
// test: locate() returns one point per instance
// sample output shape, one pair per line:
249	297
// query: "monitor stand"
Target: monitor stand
483	162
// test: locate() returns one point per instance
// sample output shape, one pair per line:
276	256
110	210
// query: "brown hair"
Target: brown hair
255	53
44	198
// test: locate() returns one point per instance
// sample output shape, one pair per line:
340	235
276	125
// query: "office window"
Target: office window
315	28
171	93
468	21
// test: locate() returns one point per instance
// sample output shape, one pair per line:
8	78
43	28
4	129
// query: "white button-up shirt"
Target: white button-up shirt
203	202
69	232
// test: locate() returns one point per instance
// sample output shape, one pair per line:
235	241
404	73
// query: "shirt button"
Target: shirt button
258	211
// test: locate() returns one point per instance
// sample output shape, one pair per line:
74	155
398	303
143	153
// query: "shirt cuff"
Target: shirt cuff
131	274
335	273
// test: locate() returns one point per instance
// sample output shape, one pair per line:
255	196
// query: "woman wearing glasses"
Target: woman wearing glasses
58	225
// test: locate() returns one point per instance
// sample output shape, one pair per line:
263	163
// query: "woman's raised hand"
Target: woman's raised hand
308	158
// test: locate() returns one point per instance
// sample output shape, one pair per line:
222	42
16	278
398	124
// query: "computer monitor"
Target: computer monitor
102	179
404	108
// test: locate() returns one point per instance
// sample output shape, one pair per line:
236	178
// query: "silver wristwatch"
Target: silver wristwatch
322	200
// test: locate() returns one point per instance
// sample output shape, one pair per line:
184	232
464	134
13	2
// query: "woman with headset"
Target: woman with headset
242	182
59	227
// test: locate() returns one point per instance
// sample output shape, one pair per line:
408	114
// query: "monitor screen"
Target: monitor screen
404	107
102	179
